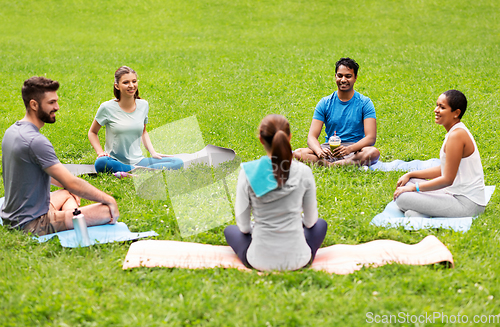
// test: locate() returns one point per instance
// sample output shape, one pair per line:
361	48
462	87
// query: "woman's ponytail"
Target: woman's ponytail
281	157
275	131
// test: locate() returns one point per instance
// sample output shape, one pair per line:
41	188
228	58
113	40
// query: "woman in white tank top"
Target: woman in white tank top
456	188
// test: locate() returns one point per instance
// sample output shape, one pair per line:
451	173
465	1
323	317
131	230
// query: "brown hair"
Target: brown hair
275	131
35	87
118	74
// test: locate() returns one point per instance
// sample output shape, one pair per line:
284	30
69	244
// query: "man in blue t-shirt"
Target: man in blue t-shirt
30	165
347	114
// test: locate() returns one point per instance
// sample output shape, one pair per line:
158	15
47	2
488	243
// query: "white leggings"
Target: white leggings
436	204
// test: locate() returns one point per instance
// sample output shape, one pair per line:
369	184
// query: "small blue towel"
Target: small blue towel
260	175
393	217
118	232
405	166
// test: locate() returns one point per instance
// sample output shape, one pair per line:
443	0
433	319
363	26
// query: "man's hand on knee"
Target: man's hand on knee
113	210
324	153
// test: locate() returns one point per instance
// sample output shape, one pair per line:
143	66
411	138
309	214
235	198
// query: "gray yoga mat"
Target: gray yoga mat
78	170
210	155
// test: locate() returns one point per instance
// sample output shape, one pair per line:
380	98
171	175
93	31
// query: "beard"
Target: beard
45	117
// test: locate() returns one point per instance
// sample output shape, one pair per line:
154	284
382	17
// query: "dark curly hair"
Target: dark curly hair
349	63
456	100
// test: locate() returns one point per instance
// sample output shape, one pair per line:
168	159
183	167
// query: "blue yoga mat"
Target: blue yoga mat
392	217
405	165
118	232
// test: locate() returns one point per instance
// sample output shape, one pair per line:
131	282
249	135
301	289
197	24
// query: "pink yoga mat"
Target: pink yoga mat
336	259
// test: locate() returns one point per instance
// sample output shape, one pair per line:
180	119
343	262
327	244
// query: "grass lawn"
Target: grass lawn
229	63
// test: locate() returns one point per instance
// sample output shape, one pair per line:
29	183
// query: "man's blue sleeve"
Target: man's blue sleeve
369	110
319	112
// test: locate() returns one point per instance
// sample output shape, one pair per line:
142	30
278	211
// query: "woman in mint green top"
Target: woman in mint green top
125	119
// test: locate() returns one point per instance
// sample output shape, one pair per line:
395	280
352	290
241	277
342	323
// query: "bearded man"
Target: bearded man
30	165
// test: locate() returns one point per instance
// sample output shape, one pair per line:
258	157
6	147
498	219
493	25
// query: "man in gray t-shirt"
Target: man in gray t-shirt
30	165
25	155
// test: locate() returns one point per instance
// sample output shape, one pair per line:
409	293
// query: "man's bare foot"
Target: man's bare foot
323	163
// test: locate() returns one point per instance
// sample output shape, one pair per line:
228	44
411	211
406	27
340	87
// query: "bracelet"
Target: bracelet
416	186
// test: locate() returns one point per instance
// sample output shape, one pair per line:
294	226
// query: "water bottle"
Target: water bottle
80	226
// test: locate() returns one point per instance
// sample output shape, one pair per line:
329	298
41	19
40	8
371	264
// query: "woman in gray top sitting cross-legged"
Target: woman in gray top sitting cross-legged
276	190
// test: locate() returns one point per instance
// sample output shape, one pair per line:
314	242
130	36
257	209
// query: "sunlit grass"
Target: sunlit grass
229	63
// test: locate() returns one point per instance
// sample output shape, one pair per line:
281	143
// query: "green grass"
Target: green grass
230	63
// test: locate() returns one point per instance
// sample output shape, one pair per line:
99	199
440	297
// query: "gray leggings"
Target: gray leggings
436	204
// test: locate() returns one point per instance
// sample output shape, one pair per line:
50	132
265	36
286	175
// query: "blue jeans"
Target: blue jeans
240	242
107	164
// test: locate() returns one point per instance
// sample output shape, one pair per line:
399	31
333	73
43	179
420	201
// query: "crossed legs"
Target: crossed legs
436	203
64	203
240	242
364	157
107	164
